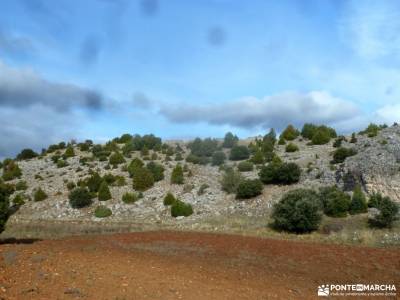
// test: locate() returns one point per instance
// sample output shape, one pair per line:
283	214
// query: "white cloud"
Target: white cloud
389	114
271	111
372	28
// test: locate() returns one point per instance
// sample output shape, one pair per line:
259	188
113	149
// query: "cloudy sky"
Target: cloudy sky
99	68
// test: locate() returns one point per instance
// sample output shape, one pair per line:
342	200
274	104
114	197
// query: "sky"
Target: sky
95	69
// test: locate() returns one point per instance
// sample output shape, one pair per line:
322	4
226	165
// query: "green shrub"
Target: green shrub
230	140
169	199
5	191
280	173
358	203
375	200
177	175
129	198
142	179
353	139
94	182
291	147
298	211
281	141
230	181
308	130
27	154
61	163
388	213
11	170
69	152
178	157
239	153
204	147
104	193
372	130
134	165
179	208
245	166
338	142
39	195
71	185
80	197
18	200
218	158
119	180
249	188
102	212
321	137
257	158
116	159
202	189
290	133
194	159
21	185
335	202
341	154
157	170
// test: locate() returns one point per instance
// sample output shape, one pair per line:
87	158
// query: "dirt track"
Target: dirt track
171	265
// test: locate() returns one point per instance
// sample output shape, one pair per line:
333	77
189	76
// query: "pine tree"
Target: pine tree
104	192
177	175
358	203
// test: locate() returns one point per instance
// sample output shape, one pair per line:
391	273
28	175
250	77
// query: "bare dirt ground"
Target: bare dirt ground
177	265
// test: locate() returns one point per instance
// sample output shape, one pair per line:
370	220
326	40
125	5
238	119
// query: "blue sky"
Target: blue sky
179	69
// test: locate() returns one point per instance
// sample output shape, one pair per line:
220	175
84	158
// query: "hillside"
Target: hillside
374	165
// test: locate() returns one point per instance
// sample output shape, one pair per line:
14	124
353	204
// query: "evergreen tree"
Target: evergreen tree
177	175
358	203
104	192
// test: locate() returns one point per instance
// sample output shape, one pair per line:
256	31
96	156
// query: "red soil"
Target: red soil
176	265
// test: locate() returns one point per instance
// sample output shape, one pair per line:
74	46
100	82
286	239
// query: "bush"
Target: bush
69	152
177	175
335	202
353	139
178	157
21	186
169	199
230	140
388	213
129	198
239	153
80	197
290	133
291	147
19	199
204	147
104	193
102	212
11	170
298	211
358	203
321	137
27	154
245	166
157	170
71	185
179	208
372	130
134	165
39	195
249	188
116	159
341	154
375	200
142	179
94	182
218	158
308	130
230	181
194	159
280	173
257	158
61	163
5	191
338	142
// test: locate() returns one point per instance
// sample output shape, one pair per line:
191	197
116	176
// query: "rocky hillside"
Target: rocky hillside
374	163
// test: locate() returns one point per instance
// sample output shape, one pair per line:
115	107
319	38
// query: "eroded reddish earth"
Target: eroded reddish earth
176	265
